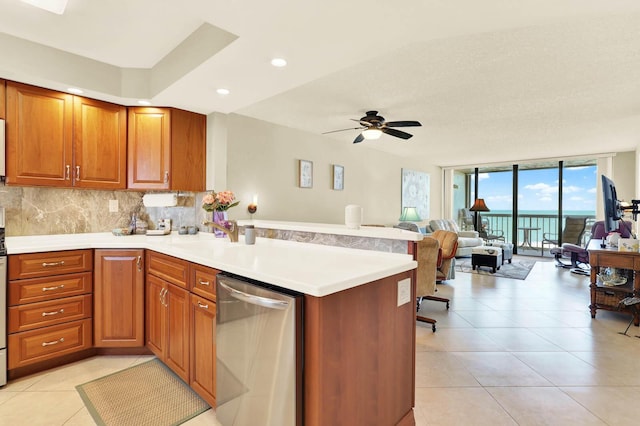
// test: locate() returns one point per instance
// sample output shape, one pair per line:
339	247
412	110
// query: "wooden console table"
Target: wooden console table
609	297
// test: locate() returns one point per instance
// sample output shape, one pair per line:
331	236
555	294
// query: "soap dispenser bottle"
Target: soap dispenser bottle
132	225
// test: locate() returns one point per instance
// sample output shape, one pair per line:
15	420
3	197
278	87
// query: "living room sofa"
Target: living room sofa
467	240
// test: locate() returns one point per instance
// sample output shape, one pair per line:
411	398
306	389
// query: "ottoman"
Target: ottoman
490	256
507	249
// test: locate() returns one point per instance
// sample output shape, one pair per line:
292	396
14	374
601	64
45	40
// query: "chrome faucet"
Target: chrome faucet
231	233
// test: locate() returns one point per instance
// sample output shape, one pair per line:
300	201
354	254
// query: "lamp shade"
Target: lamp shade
410	214
479	206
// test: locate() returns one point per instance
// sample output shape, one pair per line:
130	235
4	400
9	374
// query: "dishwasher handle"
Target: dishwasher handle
265	302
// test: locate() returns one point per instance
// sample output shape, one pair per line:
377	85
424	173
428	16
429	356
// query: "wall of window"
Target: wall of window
529	203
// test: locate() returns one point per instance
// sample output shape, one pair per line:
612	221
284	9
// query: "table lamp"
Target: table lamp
409	214
478	206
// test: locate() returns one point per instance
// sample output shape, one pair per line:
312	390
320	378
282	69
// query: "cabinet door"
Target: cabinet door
149	148
3	100
99	144
203	348
119	298
156	316
38	136
177	353
188	150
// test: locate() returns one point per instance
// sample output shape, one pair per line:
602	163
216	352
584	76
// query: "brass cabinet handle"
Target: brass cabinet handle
55	342
139	263
203	282
53	288
45	264
203	306
77	172
163	299
166	176
45	314
67	175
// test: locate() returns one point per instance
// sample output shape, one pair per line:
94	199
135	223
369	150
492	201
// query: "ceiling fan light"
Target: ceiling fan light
372	133
54	6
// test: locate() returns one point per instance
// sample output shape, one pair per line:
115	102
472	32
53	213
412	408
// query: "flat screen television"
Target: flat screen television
612	208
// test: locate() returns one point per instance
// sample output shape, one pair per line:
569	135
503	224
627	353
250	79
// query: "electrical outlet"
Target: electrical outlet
404	291
113	206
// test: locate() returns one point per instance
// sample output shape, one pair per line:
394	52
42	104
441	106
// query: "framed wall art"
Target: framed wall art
338	177
305	174
415	192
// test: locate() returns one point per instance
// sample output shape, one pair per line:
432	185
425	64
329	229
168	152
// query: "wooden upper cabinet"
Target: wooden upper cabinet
100	144
3	100
166	149
57	139
38	136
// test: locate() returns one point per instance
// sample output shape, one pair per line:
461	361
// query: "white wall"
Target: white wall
262	158
624	167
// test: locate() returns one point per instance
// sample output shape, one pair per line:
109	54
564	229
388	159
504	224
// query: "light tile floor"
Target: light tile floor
526	352
507	352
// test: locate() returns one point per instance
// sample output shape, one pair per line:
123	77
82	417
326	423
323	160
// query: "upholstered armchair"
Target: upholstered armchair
448	246
466	239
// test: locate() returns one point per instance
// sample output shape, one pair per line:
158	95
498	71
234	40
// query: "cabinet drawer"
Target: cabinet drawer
42	314
203	281
33	265
168	268
49	288
50	342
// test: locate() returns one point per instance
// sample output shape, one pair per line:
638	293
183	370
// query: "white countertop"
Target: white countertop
312	269
337	229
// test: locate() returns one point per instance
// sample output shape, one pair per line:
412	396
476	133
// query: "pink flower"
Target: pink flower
208	199
219	201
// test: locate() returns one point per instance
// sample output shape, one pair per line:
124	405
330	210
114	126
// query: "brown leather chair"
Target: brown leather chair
428	257
448	245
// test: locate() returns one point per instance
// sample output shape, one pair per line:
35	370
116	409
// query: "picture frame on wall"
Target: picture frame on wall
415	191
305	173
338	177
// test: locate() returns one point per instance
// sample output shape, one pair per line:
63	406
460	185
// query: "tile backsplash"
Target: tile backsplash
44	211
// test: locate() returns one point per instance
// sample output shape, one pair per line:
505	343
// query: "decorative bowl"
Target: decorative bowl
118	232
612	280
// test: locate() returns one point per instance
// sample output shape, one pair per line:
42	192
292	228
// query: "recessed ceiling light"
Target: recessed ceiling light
74	90
223	91
143	102
279	62
54	6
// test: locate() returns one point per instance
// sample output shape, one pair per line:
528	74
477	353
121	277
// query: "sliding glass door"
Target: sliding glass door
529	203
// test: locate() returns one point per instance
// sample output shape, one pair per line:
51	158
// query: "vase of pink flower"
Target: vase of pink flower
216	204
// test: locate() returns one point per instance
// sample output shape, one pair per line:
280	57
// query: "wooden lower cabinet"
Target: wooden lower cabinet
203	348
119	298
49	342
167	324
50	306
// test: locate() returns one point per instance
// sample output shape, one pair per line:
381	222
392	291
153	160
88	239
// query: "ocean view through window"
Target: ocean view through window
541	204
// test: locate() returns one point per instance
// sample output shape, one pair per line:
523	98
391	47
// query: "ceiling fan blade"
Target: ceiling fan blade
359	138
403	124
341	130
396	133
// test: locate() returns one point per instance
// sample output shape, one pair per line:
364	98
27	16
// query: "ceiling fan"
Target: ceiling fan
374	125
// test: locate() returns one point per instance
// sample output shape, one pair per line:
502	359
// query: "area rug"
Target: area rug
145	394
518	269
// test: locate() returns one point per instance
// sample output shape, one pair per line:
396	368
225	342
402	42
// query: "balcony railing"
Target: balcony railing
536	225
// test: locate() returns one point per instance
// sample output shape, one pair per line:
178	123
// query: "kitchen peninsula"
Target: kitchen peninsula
359	313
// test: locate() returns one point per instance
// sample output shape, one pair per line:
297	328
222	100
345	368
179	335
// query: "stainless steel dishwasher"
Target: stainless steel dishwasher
258	353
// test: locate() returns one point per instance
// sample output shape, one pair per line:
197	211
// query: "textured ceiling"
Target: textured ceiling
491	81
